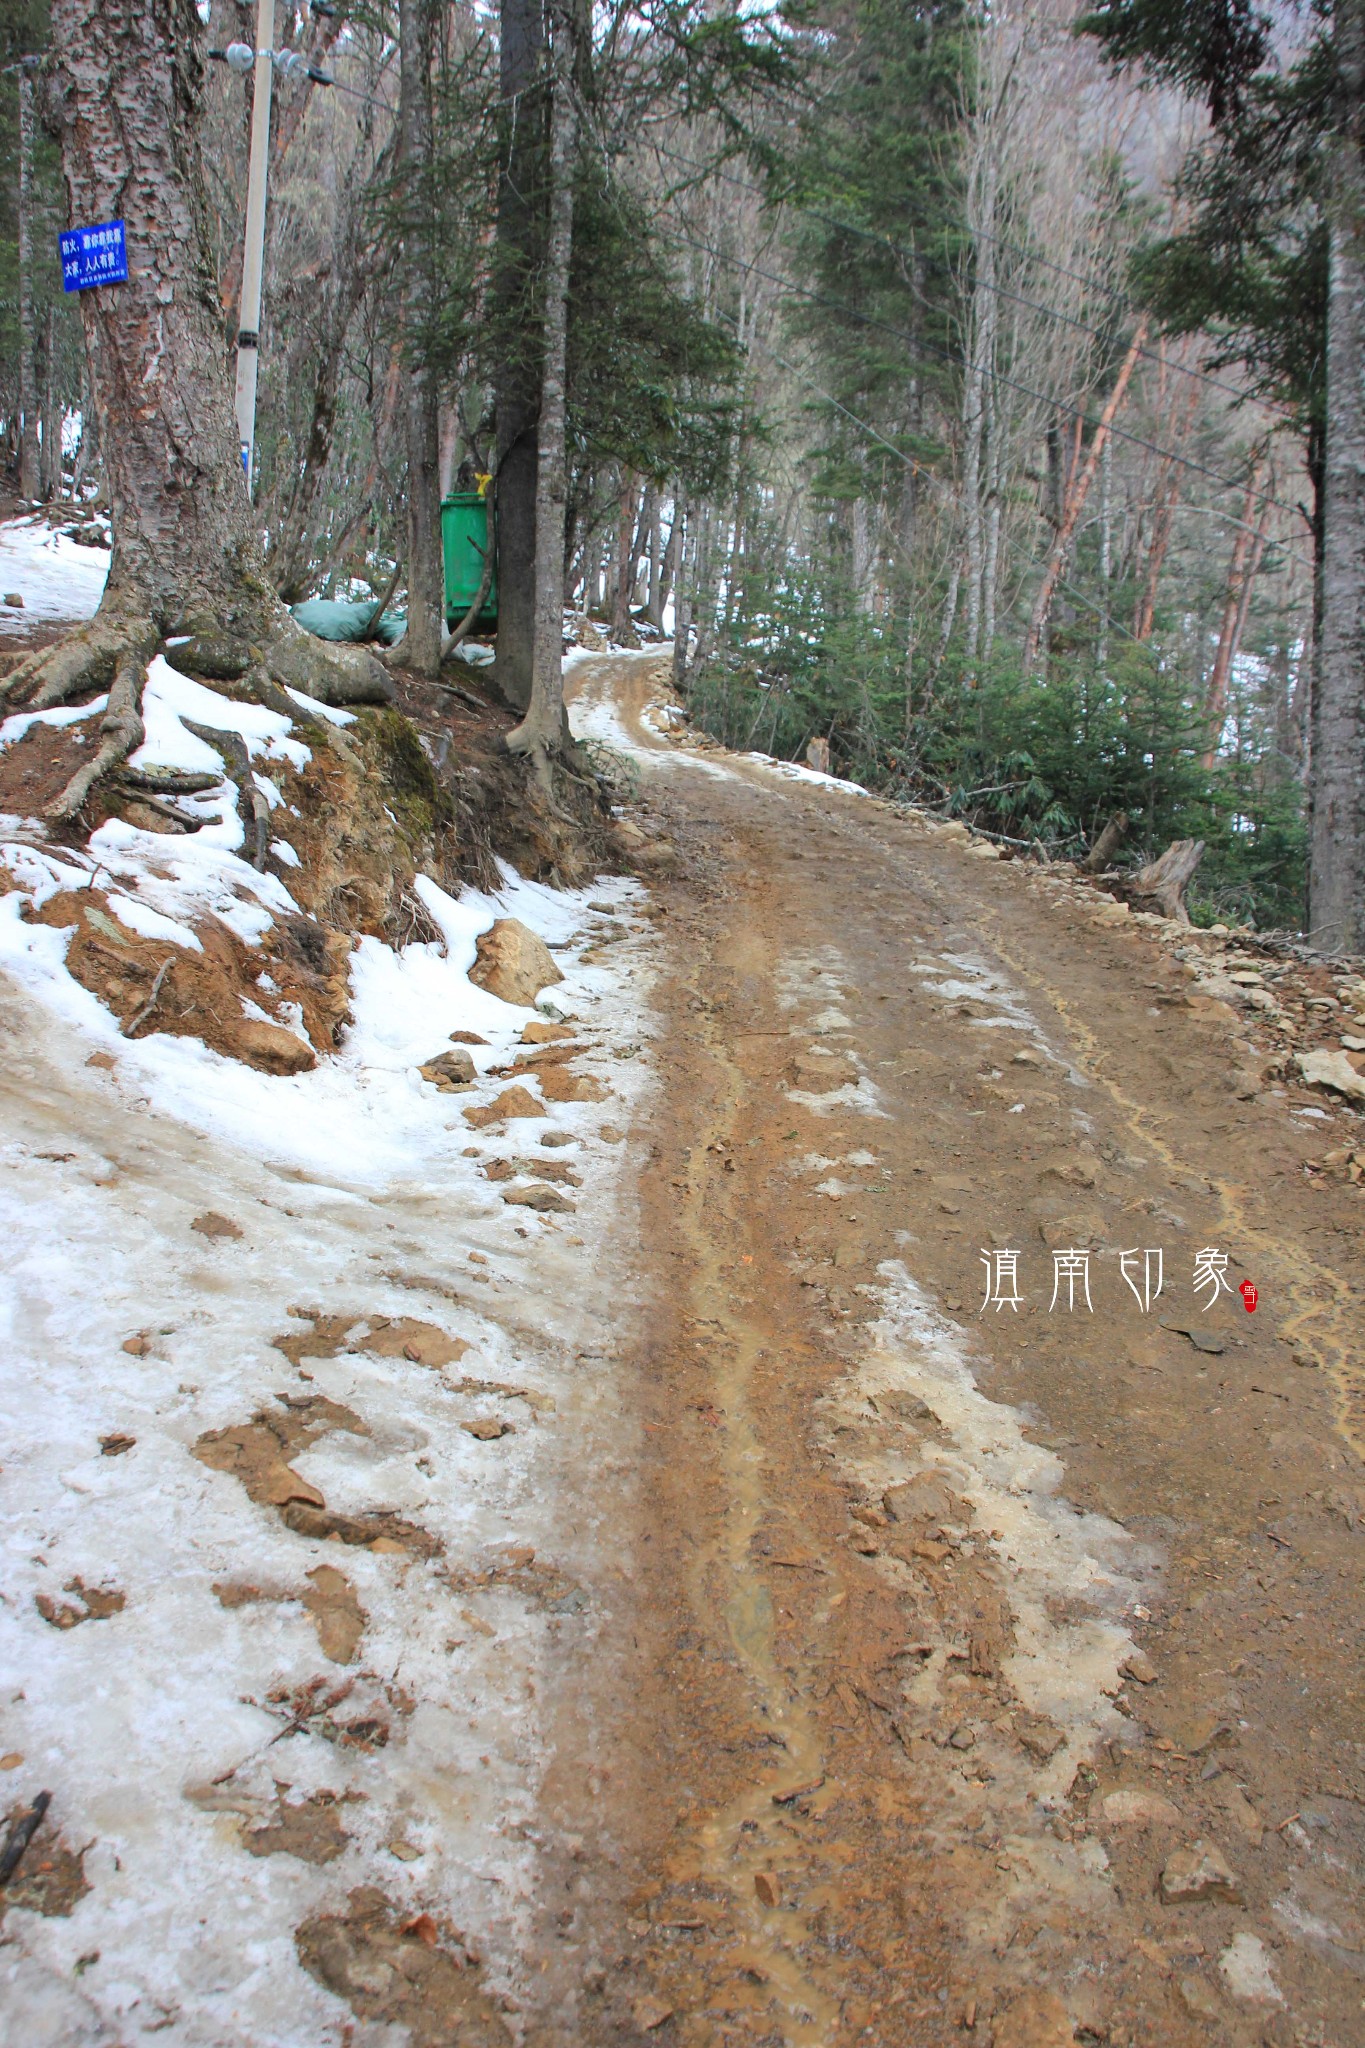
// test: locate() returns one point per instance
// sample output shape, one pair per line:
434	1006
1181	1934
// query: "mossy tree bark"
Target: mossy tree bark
124	98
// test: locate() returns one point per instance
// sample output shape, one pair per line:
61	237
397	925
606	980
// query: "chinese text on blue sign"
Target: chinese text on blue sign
97	255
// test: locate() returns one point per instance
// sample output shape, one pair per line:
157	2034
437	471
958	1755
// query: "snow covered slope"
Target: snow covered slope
289	1391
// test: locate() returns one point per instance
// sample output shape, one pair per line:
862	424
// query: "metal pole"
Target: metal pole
253	263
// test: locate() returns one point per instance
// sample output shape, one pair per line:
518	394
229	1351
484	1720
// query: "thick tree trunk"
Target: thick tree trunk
668	572
1336	886
541	731
30	483
125	102
622	626
649	548
426	582
1075	502
520	236
682	603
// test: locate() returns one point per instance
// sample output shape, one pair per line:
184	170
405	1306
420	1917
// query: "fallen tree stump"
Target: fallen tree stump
1106	846
1161	885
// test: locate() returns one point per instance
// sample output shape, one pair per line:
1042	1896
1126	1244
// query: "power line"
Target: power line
918	344
923	469
1110	624
849	227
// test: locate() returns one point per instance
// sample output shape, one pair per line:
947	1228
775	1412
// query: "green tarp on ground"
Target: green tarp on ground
328	619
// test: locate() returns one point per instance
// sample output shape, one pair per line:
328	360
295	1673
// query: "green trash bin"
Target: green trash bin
464	543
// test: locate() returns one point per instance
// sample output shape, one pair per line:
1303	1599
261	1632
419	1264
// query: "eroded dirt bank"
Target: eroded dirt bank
994	1677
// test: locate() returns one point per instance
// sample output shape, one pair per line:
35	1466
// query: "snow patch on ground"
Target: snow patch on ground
963	977
796	771
1067	1670
594	714
57	578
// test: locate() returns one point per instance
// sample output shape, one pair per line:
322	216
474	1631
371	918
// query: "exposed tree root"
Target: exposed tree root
123	730
86	660
252	807
114	650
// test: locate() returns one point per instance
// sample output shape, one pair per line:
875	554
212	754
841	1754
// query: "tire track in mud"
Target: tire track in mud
1314	1295
739	1843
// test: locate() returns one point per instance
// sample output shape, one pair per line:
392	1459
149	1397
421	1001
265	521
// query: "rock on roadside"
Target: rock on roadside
453	1069
1038	2019
1332	1070
1196	1873
512	963
270	1047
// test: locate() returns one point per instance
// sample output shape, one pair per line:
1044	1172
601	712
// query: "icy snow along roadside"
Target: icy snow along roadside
58	579
359	1114
176	1759
593	714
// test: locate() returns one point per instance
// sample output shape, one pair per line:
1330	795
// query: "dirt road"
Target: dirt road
987	1676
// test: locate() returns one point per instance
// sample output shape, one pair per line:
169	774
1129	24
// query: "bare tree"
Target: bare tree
1076	497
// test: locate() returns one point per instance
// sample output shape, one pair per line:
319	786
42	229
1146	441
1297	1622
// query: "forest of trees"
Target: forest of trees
972	388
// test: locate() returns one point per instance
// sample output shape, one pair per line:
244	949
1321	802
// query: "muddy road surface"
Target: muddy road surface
987	1671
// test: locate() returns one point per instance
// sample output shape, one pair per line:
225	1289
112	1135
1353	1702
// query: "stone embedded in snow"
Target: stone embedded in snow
1129	1807
1246	1970
512	1102
1332	1070
544	1199
512	963
310	1830
211	1224
453	1069
270	1048
336	1613
1036	2020
1199	1872
557	1084
540	1031
14	600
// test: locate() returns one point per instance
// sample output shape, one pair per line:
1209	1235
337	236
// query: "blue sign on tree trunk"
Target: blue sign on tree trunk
97	255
